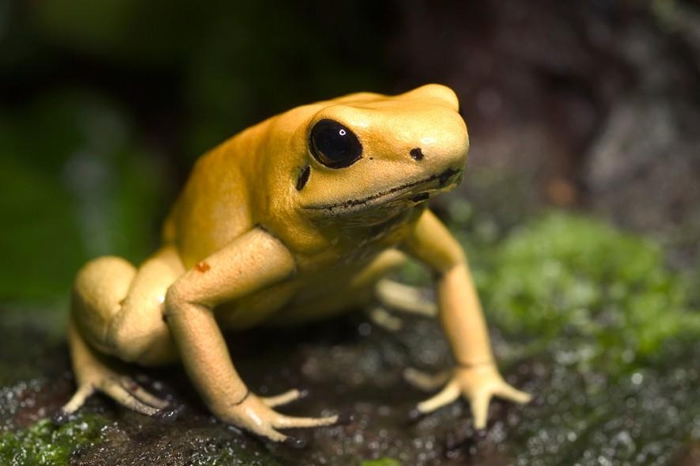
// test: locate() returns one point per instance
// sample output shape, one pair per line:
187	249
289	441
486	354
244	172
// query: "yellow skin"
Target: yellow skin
267	231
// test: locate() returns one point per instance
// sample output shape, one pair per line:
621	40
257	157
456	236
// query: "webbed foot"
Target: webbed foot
122	389
256	415
93	373
478	384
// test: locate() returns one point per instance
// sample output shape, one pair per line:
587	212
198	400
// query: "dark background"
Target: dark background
105	105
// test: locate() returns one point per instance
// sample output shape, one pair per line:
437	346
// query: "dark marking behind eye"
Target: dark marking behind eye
417	154
420	197
303	178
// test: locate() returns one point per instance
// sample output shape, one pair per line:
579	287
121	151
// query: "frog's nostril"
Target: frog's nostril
417	154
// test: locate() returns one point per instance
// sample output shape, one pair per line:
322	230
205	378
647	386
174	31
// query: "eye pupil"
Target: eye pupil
334	145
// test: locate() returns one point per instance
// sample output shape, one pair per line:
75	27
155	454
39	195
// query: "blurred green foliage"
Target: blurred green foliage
381	462
76	184
105	105
225	65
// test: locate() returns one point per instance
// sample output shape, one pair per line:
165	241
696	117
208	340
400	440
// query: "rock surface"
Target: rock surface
610	379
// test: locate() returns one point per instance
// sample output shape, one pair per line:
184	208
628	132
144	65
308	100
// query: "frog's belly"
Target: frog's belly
325	301
298	301
312	296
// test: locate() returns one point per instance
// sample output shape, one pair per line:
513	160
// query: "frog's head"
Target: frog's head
370	156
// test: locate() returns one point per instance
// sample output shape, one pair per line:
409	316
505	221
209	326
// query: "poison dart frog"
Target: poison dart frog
297	218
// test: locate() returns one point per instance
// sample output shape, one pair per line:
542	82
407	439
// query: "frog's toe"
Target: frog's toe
424	381
255	415
444	397
382	318
284	398
78	399
480	409
509	393
405	298
142	394
266	431
287	422
131	395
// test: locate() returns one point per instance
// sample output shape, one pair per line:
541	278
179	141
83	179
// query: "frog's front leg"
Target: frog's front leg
476	376
252	262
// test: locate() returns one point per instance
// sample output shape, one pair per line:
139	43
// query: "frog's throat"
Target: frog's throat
446	179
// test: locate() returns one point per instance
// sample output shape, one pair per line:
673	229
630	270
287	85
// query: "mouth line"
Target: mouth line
443	178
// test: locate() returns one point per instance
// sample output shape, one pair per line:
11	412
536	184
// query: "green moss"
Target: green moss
381	462
607	292
47	444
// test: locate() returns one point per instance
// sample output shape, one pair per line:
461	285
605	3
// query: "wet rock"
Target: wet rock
611	381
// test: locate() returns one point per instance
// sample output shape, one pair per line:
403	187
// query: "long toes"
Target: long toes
382	318
286	422
480	409
142	394
405	298
122	396
284	398
78	399
267	431
424	381
509	393
448	394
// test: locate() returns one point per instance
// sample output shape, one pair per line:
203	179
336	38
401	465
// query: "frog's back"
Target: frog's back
214	207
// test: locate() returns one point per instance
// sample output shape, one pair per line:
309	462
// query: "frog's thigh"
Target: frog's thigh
118	309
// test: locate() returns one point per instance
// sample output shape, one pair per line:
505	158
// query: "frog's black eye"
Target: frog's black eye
334	145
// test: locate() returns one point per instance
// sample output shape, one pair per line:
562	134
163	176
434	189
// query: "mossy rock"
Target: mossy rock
586	317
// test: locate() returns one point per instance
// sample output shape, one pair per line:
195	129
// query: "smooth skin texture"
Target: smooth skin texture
297	218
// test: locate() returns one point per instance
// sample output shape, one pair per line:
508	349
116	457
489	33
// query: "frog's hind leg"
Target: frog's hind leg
404	298
390	294
116	311
399	297
93	373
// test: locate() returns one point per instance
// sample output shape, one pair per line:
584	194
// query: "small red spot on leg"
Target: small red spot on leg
202	267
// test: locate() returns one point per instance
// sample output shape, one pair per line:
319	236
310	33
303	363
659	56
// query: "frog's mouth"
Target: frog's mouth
405	193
